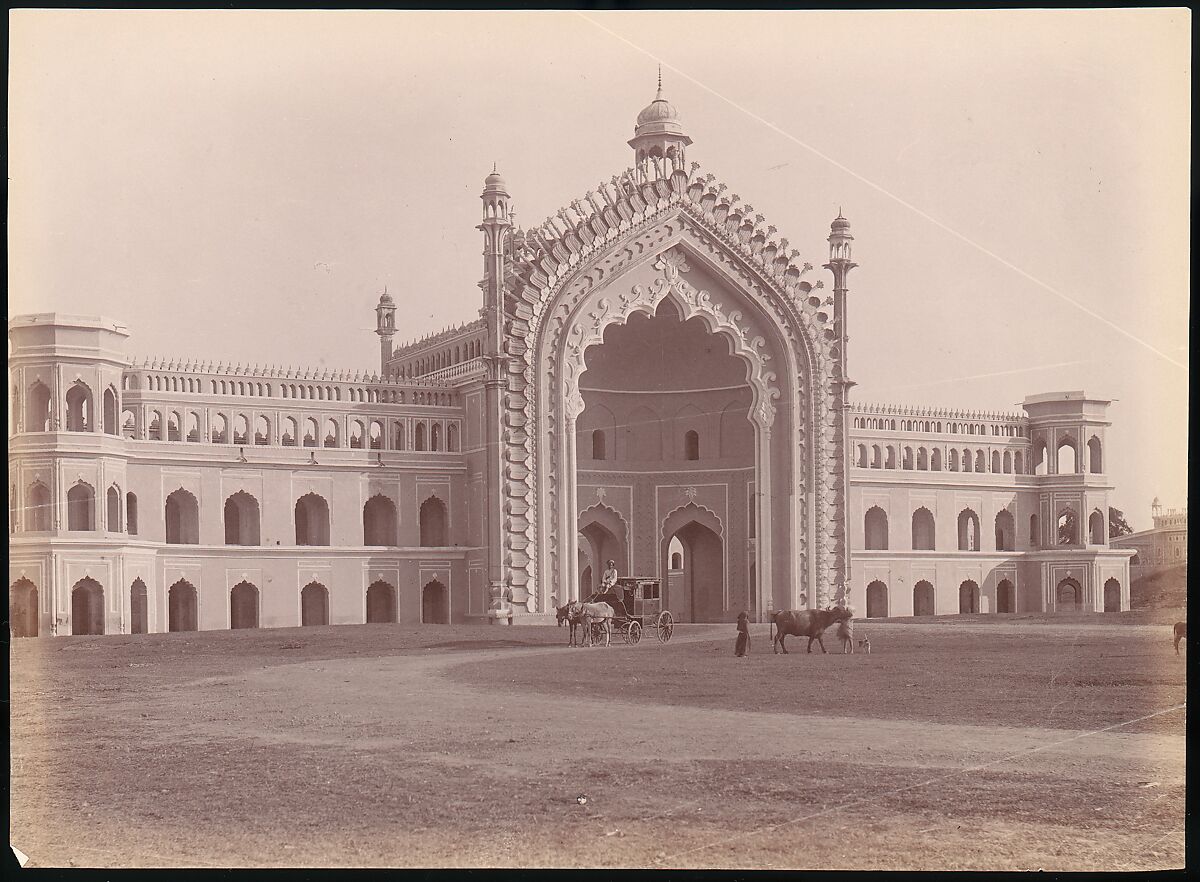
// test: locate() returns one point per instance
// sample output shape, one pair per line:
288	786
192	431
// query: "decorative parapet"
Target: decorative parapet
434	341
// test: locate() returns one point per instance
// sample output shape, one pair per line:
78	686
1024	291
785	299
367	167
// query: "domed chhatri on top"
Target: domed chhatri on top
494	183
658	137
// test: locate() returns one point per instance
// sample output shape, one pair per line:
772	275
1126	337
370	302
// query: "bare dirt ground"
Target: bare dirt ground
970	746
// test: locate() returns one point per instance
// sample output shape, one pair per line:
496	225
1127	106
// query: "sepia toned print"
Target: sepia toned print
293	600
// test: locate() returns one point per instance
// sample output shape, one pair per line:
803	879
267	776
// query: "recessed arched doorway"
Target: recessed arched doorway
695	591
23	608
243	606
601	539
968	597
1068	596
182	606
877	600
1005	597
435	604
87	607
139	608
923	599
314	604
381	602
1112	593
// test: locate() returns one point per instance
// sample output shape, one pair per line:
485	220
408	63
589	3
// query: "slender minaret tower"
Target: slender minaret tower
497	220
840	264
385	327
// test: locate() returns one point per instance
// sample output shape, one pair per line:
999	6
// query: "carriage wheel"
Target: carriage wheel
664	626
633	634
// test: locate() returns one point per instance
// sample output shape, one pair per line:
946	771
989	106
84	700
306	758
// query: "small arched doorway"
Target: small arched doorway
87	607
381	603
433	522
314	604
139	612
379	521
601	539
923	599
1112	595
877	600
243	606
1005	597
696	594
435	606
182	606
1069	596
23	608
968	597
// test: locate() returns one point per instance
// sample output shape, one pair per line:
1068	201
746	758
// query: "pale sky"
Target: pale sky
241	185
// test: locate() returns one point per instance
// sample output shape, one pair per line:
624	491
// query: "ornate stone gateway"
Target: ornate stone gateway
657	233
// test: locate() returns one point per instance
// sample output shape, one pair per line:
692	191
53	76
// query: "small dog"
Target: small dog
864	645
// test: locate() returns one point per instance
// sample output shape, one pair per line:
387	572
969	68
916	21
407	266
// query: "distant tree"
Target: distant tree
1117	525
1067	532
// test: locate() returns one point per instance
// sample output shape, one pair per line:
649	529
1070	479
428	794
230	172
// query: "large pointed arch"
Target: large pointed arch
576	279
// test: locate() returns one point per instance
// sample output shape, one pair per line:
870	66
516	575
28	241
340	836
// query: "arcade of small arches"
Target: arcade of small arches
436	361
241	516
940	427
1068	458
304	391
924	534
1069	596
979	460
380	605
279	430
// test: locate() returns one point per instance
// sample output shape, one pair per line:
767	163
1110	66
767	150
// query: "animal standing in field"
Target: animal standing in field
600	613
1180	634
845	632
810	623
572	616
865	645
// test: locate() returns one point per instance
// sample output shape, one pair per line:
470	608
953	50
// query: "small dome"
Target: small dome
494	181
840	224
658	110
385	297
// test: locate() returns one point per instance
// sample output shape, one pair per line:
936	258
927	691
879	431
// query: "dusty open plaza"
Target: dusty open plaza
963	744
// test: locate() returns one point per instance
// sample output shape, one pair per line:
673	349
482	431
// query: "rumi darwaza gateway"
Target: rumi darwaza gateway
653	379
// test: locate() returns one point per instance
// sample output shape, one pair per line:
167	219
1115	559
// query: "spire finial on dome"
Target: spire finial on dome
659	81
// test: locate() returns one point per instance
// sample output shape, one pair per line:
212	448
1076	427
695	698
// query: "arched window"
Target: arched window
452	437
174	429
1096	527
290	429
1035	538
907	460
37	509
220	429
922	459
314	605
398	436
242	519
241	429
1006	530
980	461
243	606
968	530
599	445
877	600
1039	458
262	430
435	436
952	461
131	514
379	521
1008	462
357	434
182	518
79	407
312	520
889	461
1095	462
193	427
1068	527
1068	457
875	525
1018	464
691	445
419	437
113	509
876	457
331	433
110	411
81	507
376	437
37	408
862	456
310	432
935	460
996	462
923	536
433	522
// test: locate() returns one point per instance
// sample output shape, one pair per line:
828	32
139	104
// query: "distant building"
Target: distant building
654	378
1162	546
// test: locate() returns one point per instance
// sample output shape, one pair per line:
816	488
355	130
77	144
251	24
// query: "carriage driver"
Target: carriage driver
608	582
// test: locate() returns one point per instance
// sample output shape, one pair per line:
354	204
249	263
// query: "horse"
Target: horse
1180	634
593	612
810	623
572	616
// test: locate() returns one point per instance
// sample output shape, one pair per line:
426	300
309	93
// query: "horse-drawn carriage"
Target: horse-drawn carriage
637	607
